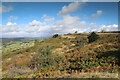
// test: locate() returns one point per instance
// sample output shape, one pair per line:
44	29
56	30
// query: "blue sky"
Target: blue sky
28	11
35	19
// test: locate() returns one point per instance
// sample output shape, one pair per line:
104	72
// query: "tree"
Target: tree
56	35
75	31
93	37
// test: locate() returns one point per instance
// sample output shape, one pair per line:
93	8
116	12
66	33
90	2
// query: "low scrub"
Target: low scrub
44	58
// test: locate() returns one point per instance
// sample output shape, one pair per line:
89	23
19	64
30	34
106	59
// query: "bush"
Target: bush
56	35
75	31
93	37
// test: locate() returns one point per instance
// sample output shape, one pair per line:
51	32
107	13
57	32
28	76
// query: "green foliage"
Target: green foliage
93	37
44	58
45	50
15	46
41	58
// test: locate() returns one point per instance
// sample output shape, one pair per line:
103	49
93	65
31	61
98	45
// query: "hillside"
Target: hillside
68	55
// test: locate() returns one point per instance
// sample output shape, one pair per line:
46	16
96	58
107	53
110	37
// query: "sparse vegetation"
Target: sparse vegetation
69	54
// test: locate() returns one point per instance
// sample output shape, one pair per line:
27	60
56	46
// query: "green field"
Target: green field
10	45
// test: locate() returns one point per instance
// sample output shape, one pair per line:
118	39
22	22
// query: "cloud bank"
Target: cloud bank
39	29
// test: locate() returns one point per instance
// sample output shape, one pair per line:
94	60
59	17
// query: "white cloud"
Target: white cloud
9	23
48	18
70	8
9	27
11	18
116	26
95	27
39	29
36	23
33	29
5	8
68	24
97	14
71	24
113	27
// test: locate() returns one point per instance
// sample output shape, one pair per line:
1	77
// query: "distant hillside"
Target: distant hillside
109	32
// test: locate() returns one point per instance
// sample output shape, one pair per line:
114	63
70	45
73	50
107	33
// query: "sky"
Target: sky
43	19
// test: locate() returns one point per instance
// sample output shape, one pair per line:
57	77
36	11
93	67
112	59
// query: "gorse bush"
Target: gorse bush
93	37
56	35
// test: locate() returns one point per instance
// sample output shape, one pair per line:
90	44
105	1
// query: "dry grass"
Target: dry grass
91	75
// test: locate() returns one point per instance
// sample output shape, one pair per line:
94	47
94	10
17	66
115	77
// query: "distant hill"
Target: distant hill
110	32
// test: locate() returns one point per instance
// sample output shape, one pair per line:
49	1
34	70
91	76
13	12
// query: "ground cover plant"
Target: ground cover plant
68	56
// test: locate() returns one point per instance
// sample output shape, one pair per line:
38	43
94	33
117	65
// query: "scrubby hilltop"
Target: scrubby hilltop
67	55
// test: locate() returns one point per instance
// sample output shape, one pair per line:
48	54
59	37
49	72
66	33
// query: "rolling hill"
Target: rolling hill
66	56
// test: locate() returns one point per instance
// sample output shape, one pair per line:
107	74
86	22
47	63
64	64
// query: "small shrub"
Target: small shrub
93	37
75	31
56	35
